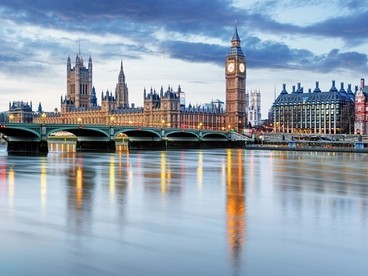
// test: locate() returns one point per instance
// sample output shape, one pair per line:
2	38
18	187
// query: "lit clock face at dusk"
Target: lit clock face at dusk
230	67
241	67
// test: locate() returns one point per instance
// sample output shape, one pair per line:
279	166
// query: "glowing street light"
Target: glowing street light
43	116
11	118
112	120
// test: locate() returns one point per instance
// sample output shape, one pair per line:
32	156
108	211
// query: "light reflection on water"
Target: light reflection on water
193	212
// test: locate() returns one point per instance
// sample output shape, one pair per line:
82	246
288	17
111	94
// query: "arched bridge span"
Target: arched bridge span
93	134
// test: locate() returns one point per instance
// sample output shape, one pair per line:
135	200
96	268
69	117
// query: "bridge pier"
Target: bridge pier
27	147
96	146
151	145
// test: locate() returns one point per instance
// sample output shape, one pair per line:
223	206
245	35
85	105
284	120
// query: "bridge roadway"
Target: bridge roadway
29	137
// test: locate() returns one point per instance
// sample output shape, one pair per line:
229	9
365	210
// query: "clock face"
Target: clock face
241	67
230	67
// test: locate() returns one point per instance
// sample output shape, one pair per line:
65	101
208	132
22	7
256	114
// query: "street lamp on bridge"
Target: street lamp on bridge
79	122
112	120
11	118
43	116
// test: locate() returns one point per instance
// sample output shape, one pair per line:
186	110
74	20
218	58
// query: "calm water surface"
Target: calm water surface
193	212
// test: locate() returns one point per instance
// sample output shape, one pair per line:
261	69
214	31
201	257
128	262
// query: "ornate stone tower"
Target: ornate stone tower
235	73
361	122
253	107
121	90
79	83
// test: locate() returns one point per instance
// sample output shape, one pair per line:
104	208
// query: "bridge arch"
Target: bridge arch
176	134
17	131
215	136
81	131
138	134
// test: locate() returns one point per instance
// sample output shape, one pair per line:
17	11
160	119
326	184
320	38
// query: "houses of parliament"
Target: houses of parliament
162	108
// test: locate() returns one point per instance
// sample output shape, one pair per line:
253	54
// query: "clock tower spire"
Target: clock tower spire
235	74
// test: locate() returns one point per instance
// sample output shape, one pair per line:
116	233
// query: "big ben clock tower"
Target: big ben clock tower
235	73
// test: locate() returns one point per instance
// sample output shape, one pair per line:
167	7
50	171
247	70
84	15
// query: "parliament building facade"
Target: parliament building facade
163	108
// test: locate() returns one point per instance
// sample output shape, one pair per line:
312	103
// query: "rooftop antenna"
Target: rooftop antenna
79	47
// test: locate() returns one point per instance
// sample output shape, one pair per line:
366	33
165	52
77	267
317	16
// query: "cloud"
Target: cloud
195	52
129	15
352	61
352	27
137	23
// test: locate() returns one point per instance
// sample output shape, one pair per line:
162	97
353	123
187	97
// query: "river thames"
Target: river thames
192	212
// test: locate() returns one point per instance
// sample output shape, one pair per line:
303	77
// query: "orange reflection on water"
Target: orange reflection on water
43	185
165	173
11	176
79	187
235	203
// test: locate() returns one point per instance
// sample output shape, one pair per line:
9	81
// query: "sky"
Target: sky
171	43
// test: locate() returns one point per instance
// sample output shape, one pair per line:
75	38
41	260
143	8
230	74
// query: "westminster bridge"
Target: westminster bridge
31	137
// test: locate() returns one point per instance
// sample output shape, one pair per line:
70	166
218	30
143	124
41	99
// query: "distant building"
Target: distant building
253	108
163	108
79	84
121	90
330	112
20	112
361	109
235	74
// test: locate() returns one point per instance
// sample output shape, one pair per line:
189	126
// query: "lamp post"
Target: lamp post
11	118
112	120
43	116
